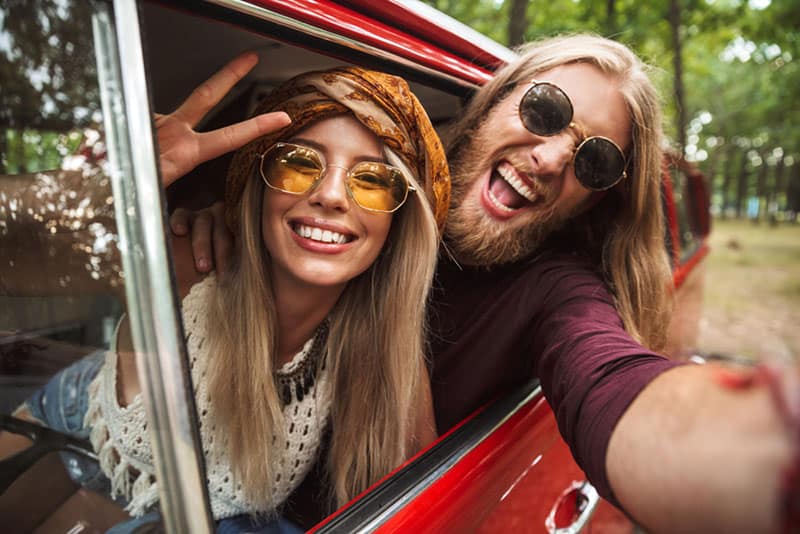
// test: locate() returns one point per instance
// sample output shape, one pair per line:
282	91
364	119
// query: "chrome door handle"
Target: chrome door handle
573	509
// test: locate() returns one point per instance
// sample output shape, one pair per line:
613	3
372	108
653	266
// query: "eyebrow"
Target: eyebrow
322	149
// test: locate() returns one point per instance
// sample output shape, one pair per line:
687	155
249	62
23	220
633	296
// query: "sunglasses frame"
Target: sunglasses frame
409	188
570	124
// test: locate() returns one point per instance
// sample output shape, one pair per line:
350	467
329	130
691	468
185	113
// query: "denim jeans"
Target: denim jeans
62	405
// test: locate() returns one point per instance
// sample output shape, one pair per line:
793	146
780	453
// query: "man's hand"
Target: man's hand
212	244
182	149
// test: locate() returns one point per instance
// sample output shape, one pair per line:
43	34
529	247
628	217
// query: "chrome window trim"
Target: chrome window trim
265	14
151	302
394	493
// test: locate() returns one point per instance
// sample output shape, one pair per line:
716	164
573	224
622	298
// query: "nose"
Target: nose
329	192
552	154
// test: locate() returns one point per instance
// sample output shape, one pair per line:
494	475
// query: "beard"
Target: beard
473	236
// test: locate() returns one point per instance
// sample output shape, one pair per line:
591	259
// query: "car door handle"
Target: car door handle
573	509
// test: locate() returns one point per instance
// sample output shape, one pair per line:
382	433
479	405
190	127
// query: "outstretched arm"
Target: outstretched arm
692	454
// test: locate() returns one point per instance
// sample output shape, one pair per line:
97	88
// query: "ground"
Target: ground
752	293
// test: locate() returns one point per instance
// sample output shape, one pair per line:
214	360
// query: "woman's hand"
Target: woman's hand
182	149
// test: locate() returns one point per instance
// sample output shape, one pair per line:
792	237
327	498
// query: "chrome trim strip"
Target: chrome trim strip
263	13
458	28
152	306
473	440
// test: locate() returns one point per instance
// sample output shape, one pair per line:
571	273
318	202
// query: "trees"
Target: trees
728	70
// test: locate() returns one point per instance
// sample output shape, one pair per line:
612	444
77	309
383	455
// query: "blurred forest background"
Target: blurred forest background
729	75
728	72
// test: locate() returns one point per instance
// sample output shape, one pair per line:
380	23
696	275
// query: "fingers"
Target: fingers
223	239
218	142
201	241
180	221
207	95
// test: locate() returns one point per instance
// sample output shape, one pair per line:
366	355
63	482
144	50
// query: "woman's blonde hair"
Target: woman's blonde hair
375	353
625	230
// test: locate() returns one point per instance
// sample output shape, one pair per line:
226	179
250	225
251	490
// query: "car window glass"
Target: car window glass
61	280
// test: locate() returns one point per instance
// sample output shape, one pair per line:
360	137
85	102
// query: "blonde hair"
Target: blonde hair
628	223
375	354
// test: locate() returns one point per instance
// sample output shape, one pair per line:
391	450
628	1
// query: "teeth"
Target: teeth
497	204
507	174
318	234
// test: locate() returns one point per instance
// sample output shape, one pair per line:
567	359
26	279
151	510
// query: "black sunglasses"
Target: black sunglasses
545	109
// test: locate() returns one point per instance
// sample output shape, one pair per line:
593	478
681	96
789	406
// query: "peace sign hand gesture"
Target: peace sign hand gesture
182	149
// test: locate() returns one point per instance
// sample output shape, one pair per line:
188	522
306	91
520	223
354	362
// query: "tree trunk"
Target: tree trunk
727	178
777	183
793	189
741	187
761	188
611	21
517	22
677	62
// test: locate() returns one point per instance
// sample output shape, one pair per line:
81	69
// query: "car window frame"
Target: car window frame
152	303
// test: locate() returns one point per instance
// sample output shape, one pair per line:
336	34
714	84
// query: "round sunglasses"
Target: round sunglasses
545	109
297	169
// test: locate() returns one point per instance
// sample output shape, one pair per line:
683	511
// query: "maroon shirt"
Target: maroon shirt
550	317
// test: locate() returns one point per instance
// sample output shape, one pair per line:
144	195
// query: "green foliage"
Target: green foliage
48	86
741	70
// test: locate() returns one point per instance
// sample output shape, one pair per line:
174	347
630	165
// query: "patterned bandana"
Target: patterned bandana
381	102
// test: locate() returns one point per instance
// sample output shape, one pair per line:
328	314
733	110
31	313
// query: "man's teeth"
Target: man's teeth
318	234
510	177
497	204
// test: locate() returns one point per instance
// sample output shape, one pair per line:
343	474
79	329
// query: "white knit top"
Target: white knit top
120	438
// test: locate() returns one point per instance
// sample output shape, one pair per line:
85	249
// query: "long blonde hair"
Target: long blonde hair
375	354
624	232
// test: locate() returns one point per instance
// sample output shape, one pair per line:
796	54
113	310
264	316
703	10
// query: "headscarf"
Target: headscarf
381	102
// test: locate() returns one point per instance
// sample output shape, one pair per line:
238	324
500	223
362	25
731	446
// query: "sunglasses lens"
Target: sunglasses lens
545	109
291	168
599	164
377	186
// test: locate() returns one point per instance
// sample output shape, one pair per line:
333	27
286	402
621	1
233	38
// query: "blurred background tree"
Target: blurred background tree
727	69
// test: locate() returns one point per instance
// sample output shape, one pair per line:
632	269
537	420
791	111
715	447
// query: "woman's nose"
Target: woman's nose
552	154
330	191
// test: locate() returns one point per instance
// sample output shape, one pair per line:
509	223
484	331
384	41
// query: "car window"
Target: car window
60	269
83	246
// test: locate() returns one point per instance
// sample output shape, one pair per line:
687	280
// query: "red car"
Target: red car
84	79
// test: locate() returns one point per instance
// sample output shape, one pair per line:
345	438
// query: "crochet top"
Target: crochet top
120	438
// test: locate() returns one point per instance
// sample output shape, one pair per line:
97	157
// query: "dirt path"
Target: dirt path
752	296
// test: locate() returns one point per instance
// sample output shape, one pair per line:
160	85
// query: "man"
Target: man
553	266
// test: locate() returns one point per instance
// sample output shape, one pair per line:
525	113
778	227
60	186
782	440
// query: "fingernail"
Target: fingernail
203	265
284	117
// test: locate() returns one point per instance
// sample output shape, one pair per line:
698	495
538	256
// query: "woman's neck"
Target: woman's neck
299	312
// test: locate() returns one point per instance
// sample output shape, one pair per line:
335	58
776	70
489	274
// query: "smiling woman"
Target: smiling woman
283	331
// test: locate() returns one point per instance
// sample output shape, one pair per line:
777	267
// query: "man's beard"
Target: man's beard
477	239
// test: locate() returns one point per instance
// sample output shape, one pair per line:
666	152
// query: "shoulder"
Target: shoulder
564	286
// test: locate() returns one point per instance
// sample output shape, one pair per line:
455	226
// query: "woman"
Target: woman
319	325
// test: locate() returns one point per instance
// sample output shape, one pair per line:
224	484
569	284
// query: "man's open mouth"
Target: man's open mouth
508	191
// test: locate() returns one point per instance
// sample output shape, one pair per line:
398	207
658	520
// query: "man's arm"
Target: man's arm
691	455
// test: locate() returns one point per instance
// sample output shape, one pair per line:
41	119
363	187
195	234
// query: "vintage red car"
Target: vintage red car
83	81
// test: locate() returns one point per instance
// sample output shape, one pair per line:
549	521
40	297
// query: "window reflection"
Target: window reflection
59	269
